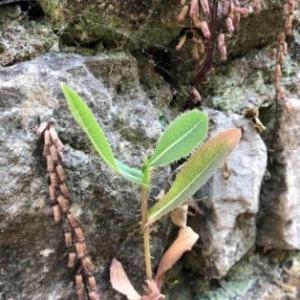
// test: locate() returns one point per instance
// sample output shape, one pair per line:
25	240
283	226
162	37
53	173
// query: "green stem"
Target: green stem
146	229
146	234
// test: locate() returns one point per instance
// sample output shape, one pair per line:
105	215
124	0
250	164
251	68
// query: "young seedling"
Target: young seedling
180	138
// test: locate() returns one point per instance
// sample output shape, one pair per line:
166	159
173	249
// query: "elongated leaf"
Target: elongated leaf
195	172
85	118
180	138
88	123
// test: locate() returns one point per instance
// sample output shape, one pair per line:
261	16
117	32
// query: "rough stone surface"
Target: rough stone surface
279	225
33	255
259	277
32	252
229	204
22	38
140	22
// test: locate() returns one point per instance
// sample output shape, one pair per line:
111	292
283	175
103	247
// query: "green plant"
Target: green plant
181	137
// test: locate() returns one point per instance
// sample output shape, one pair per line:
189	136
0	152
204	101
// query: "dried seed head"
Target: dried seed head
78	280
68	239
56	213
281	93
92	283
64	203
71	259
183	13
87	265
47	140
80	249
53	179
202	25
60	172
52	193
181	43
277	73
53	152
281	57
236	20
222	47
50	163
285	48
244	11
195	52
93	296
196	97
43	126
229	24
288	26
205	7
79	234
79	286
55	138
64	190
257	7
194	8
72	220
281	38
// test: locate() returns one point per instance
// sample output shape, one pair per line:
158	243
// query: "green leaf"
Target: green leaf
184	134
195	172
85	118
132	174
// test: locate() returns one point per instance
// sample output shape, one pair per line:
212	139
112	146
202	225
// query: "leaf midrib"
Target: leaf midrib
173	144
196	178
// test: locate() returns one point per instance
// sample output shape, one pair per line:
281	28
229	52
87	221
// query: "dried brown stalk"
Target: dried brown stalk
85	283
210	23
281	53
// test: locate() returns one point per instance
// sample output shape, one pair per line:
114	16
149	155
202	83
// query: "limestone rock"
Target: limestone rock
229	202
33	254
279	225
22	38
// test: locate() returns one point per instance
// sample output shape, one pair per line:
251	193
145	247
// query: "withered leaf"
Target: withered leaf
184	242
179	215
120	281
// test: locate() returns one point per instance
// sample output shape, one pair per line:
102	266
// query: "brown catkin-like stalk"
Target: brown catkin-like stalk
281	52
212	22
85	283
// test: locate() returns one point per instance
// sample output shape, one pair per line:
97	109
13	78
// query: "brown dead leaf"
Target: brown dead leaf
179	215
120	281
184	242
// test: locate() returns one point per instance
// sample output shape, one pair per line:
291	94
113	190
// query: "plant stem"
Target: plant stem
146	232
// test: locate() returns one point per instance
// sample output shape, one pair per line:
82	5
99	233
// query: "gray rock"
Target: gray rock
23	39
229	205
279	225
33	255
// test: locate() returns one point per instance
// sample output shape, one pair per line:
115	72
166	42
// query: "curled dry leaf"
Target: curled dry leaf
120	281
179	215
184	242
